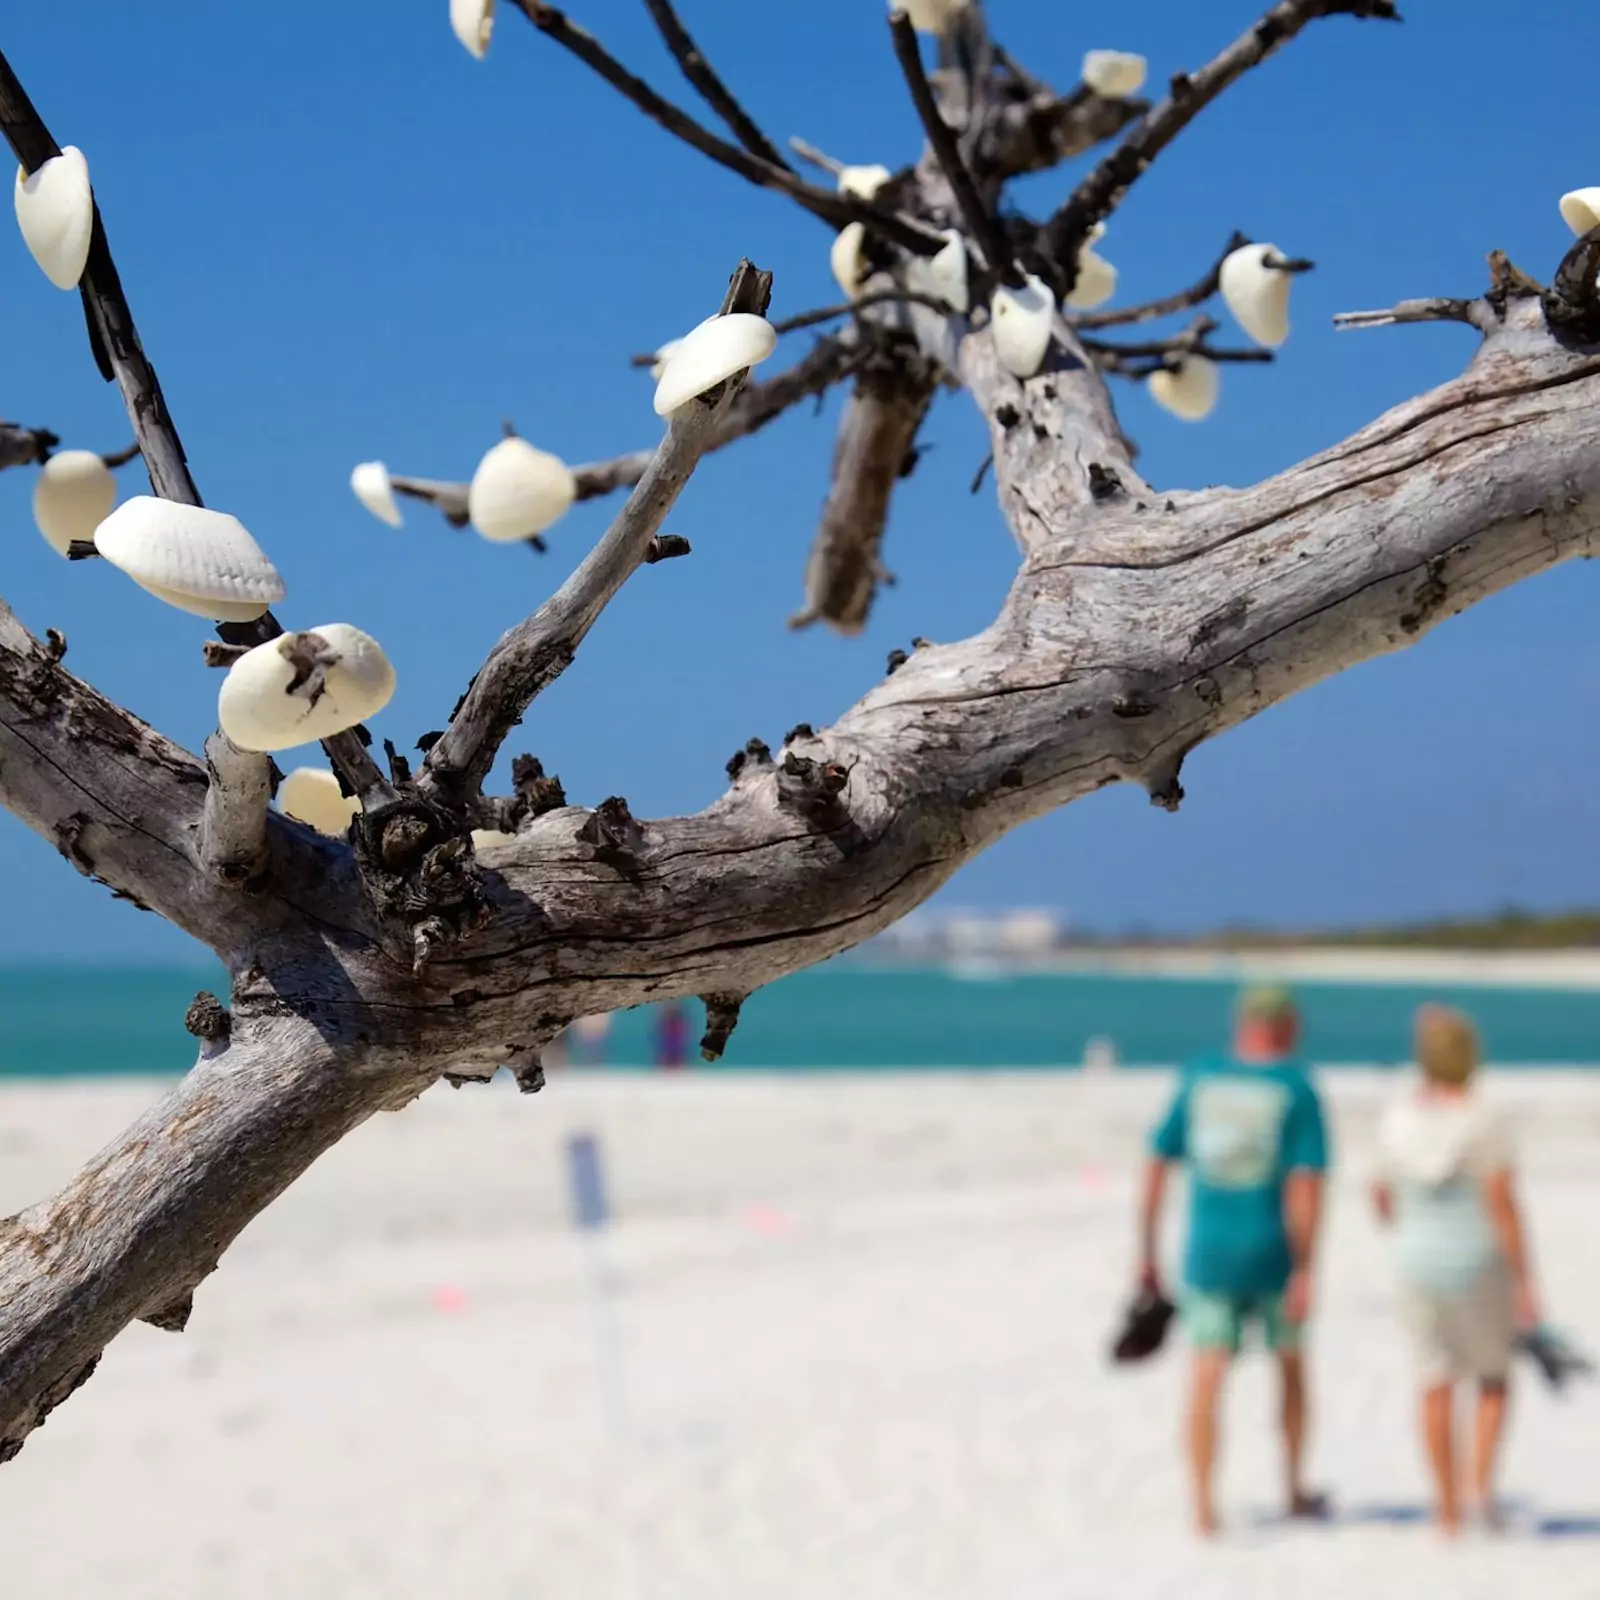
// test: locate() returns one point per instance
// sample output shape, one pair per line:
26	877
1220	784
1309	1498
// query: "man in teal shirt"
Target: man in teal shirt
1248	1127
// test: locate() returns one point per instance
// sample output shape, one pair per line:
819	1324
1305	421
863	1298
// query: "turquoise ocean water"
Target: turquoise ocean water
59	1021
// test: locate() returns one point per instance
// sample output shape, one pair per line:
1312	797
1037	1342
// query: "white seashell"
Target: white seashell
472	22
1256	293
1114	73
74	495
863	182
1190	392
258	711
370	483
1023	319
311	795
518	491
930	16
849	267
663	356
1095	284
947	272
715	351
488	838
55	210
200	561
1580	210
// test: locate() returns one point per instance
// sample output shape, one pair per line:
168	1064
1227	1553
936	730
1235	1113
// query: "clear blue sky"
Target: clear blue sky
344	239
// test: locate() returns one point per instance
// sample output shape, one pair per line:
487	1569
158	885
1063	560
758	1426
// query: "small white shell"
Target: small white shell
256	709
1114	73
311	795
488	838
55	210
74	495
714	351
1023	319
1095	284
472	22
1580	210
863	182
930	16
1190	392
947	272
846	261
1256	293
518	491
200	561
370	484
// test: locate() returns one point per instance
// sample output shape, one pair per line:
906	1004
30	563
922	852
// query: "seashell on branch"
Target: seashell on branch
74	495
371	486
200	561
312	795
1190	391
472	22
1022	321
1257	292
711	354
55	211
518	491
301	687
1115	74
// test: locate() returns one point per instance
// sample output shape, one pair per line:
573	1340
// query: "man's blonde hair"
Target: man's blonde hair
1447	1045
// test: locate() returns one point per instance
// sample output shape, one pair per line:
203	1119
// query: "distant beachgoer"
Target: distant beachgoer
1445	1183
1249	1128
672	1035
589	1035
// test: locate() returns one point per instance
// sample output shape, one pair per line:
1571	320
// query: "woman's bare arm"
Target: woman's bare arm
1505	1215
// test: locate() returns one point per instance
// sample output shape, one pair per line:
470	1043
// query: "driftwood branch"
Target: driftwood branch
835	209
1103	190
533	654
694	66
1168	305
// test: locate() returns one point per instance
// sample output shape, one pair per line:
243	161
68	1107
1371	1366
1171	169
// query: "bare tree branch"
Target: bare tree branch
115	340
835	209
534	653
1151	310
1103	190
712	90
25	447
1474	312
981	225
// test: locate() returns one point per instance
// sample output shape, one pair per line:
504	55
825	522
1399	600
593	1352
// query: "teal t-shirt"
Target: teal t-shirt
1241	1130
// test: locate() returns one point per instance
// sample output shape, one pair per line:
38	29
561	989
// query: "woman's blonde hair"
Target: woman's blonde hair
1447	1045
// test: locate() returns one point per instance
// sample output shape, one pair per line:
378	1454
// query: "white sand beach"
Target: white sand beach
861	1329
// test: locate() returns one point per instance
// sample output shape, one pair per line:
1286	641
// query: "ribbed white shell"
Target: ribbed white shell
198	560
472	22
712	352
370	484
1114	73
1190	392
311	795
55	210
1022	322
1095	284
1580	210
947	272
1256	294
863	182
930	16
845	259
256	710
74	495
518	491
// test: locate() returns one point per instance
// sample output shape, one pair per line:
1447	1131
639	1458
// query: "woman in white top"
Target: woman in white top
1445	1182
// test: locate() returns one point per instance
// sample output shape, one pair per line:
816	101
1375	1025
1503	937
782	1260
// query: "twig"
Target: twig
713	91
1473	312
1150	310
116	343
1103	190
1572	302
817	158
835	209
1140	360
120	458
25	447
980	221
534	653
